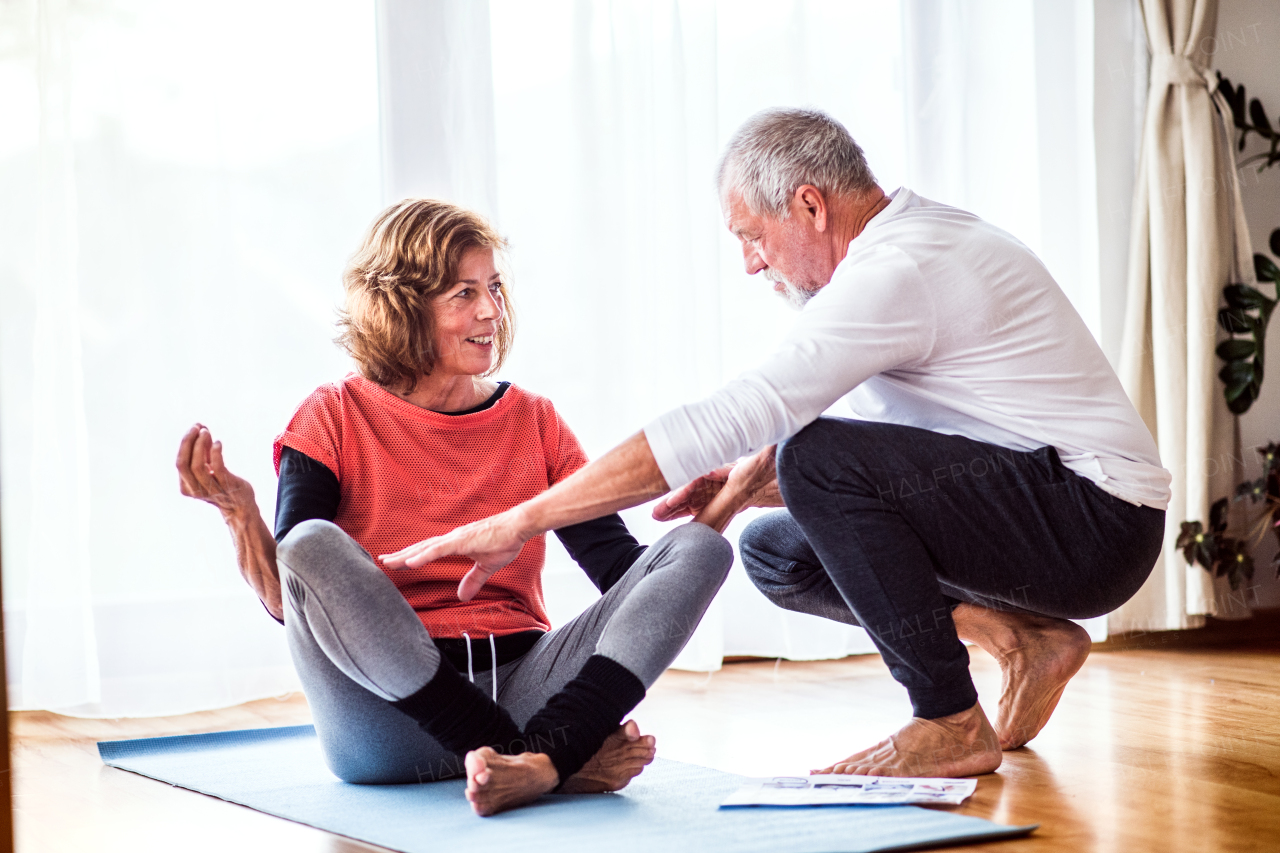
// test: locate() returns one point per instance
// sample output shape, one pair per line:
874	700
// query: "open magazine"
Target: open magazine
840	790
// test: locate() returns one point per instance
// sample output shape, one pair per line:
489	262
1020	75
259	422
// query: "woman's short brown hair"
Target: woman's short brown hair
411	255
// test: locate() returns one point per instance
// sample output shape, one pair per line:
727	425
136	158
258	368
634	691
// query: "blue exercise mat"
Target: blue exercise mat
672	806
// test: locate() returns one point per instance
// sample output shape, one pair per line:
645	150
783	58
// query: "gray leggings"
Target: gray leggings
358	645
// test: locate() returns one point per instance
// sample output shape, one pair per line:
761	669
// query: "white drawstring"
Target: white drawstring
471	673
493	662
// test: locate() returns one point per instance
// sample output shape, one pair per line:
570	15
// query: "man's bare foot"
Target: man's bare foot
497	782
622	758
1038	655
962	744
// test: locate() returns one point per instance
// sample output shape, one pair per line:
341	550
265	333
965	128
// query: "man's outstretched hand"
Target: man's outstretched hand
491	542
692	497
753	482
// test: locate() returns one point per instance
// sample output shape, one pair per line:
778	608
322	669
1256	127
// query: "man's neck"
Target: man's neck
853	215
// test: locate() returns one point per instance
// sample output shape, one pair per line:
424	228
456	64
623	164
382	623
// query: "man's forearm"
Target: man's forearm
624	477
256	556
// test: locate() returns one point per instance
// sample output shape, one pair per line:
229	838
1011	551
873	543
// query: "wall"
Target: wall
1247	46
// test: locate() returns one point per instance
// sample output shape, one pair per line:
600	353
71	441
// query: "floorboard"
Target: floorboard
1151	749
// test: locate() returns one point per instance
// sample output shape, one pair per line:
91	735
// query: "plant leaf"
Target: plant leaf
1265	268
1275	242
1234	321
1187	536
1236	373
1232	392
1259	116
1236	349
1240	403
1218	515
1246	297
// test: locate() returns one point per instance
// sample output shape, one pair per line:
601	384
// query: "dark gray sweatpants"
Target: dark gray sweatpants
889	527
358	645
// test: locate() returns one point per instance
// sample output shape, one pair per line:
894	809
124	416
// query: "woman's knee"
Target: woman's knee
315	546
308	539
702	549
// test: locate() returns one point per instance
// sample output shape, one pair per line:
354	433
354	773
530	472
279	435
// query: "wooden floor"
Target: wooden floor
1151	749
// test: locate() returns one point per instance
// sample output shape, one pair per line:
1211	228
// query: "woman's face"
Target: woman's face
467	316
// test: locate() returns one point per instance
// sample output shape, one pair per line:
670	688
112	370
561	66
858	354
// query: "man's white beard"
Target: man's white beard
795	296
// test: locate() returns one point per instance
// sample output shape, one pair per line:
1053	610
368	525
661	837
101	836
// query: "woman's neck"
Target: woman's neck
449	393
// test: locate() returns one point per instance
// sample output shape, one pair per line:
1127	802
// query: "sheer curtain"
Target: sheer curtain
179	188
632	296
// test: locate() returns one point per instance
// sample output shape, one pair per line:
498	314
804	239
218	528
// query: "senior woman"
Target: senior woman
418	442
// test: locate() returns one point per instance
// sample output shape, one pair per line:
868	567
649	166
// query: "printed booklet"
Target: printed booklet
840	790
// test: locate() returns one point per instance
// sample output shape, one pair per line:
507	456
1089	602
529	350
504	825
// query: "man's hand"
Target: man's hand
491	542
752	482
203	475
755	479
690	498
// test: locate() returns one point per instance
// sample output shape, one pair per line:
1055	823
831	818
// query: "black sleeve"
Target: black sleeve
603	547
307	489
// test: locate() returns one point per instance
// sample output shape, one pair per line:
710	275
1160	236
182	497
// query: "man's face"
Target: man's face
790	252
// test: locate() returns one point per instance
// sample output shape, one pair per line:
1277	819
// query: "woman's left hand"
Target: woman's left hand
491	542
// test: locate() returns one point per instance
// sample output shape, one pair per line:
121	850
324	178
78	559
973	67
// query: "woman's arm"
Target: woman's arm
203	475
603	547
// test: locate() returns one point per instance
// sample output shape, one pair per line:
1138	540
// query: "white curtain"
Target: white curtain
632	296
1189	241
179	188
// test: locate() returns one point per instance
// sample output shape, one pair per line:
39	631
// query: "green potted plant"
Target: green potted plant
1244	318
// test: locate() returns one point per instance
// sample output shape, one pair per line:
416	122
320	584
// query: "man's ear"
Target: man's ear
810	201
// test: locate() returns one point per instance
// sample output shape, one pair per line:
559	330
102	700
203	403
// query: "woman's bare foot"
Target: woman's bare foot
497	782
622	758
1038	655
962	744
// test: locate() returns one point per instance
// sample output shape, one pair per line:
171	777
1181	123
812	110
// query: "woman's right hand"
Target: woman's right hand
203	475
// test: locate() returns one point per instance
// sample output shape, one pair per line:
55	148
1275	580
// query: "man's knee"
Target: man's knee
764	545
830	450
802	453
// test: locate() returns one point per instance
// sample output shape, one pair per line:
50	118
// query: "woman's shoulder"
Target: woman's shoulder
531	404
329	395
526	397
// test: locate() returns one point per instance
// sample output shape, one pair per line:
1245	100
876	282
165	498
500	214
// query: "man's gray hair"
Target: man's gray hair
777	151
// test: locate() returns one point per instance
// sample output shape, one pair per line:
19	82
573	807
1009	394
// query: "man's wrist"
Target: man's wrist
526	519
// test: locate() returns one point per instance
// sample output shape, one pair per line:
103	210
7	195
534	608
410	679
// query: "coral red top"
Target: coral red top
407	474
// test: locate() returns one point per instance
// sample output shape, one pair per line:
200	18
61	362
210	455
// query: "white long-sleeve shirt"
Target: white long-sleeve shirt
939	320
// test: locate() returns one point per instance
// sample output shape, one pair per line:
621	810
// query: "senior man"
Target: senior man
995	483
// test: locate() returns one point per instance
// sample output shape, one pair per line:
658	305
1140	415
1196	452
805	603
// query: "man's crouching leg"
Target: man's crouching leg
828	474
